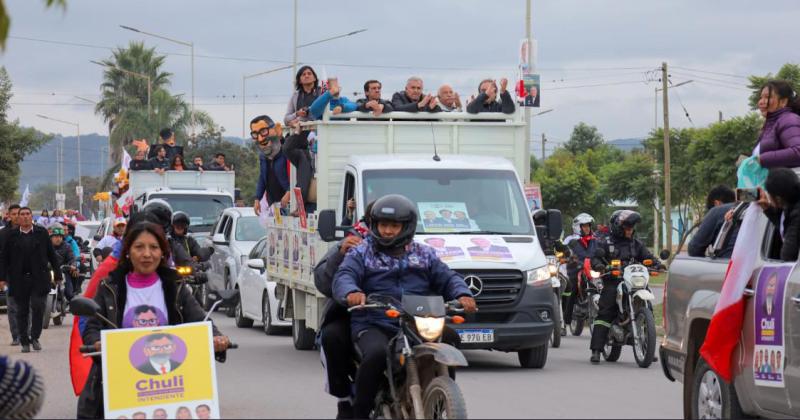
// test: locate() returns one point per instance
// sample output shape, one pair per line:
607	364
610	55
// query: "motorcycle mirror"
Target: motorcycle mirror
665	254
82	306
326	225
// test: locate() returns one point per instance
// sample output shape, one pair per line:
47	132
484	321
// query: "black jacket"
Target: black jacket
171	151
323	280
401	102
791	229
627	250
11	262
479	104
709	230
141	165
159	164
185	247
362	105
65	255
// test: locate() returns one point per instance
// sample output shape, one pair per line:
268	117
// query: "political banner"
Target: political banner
445	217
770	349
160	372
529	90
468	248
533	195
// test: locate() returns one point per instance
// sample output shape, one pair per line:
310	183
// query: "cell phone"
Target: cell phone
748	194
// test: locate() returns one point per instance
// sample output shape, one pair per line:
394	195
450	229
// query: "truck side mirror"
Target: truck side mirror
326	225
665	254
554	224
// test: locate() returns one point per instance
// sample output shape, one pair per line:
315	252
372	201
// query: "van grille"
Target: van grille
499	286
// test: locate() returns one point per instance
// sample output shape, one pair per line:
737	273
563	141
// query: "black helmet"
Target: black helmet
180	218
395	208
161	210
622	218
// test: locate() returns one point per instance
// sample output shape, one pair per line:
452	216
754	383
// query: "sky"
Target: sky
597	59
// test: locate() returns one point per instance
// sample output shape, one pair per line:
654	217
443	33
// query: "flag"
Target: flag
726	323
264	216
124	203
126	160
26	195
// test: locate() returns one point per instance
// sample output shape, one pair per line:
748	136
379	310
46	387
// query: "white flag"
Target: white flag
126	160
26	195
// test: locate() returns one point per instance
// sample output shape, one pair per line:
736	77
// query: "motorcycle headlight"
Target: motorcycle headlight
429	328
638	282
184	270
539	277
594	274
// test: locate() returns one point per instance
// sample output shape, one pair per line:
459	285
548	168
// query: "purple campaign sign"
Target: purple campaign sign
138	358
769	305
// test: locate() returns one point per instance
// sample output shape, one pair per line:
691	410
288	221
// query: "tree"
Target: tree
43	196
244	158
568	185
5	20
789	72
583	137
15	142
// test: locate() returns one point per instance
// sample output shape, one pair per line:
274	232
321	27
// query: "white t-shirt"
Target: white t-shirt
145	307
108	241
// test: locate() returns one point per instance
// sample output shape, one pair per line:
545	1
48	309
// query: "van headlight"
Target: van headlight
539	276
428	327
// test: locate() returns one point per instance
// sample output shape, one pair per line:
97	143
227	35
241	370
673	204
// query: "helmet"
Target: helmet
180	217
395	208
161	210
622	218
581	219
56	229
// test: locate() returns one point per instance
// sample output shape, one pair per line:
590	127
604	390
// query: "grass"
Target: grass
658	280
658	311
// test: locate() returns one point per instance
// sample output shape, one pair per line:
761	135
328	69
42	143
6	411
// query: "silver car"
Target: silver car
257	300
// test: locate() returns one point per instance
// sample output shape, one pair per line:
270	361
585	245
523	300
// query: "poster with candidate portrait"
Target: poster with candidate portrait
769	353
529	90
160	372
445	217
533	195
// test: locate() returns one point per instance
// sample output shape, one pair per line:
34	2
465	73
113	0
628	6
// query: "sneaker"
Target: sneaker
345	410
26	348
595	359
15	342
36	345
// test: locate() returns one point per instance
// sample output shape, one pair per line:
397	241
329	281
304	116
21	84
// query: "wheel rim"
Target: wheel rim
438	406
709	397
239	310
640	342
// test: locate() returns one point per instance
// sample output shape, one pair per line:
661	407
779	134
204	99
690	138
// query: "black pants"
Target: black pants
607	313
11	306
30	315
372	344
568	297
338	357
296	150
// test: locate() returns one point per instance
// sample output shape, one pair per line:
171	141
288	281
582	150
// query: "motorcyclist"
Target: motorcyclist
621	245
582	244
185	249
391	263
66	257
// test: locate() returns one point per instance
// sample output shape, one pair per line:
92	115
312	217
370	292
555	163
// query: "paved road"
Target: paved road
266	377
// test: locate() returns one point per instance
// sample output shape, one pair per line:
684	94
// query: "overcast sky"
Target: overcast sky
582	44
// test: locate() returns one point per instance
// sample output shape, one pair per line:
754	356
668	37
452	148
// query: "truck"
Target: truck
201	195
472	211
766	361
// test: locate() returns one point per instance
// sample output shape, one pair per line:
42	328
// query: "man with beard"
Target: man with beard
274	175
159	349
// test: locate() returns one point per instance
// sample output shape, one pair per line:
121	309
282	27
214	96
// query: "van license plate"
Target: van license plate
476	336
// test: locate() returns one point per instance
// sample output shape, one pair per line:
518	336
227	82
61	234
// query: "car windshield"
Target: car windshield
457	200
203	210
248	228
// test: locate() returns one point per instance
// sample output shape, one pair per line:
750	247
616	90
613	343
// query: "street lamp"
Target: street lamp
184	43
61	159
296	47
250	76
132	73
658	89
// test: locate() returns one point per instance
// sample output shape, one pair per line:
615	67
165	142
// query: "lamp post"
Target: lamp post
132	73
184	43
61	159
244	91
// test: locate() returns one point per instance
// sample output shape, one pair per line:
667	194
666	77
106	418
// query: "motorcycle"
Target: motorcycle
417	378
56	307
587	300
195	276
558	278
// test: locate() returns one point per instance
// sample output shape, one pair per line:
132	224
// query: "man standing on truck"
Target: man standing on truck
720	200
273	178
621	245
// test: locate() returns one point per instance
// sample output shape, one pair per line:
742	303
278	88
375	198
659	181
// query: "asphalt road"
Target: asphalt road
267	377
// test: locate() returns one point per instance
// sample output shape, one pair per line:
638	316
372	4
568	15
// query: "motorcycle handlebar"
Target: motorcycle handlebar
87	349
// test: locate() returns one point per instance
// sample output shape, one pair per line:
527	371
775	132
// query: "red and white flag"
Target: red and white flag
726	324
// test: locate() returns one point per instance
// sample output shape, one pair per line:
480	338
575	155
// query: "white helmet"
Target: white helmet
581	219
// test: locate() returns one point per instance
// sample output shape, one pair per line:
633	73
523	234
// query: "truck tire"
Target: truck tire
557	321
302	337
533	358
266	316
645	351
712	397
443	400
238	315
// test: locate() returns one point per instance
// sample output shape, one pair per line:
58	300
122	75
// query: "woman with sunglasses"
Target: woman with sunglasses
142	291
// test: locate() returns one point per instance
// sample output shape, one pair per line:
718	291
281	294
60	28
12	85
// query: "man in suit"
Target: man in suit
159	349
23	263
484	246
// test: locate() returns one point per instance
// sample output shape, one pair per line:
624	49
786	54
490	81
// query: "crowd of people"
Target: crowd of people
168	156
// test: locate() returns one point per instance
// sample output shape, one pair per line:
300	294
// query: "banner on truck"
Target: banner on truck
769	353
533	195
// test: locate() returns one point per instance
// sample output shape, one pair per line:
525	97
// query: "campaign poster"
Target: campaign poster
482	248
272	251
769	353
445	251
301	208
468	248
533	195
445	217
160	372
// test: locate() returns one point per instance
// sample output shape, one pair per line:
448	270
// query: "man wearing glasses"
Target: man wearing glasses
273	178
159	349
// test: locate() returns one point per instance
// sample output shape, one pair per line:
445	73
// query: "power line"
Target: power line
738	76
721	85
708	78
596	85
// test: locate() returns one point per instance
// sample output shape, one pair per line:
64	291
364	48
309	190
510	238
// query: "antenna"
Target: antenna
435	153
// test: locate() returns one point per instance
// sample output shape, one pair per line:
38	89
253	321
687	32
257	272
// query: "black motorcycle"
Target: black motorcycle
194	275
417	382
56	307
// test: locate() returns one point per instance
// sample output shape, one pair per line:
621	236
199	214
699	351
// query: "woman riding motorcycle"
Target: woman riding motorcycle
582	244
621	245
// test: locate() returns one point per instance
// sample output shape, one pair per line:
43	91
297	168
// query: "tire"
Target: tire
241	320
302	337
48	312
645	351
266	316
576	326
533	358
557	321
612	353
230	312
708	387
442	399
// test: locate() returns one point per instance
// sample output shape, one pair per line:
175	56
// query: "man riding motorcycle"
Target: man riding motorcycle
389	262
66	256
582	244
185	248
621	245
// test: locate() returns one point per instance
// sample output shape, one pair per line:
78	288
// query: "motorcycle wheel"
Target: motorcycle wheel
238	316
558	324
202	296
644	349
576	326
612	352
48	311
443	400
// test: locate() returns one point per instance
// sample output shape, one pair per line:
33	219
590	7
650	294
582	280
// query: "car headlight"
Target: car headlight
429	328
539	277
184	270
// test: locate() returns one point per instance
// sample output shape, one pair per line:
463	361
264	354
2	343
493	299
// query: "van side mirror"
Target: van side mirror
665	254
554	224
539	217
326	225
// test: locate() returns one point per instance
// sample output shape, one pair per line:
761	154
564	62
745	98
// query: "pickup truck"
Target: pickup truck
766	362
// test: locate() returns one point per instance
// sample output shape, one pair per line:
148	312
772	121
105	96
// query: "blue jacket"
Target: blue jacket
317	108
76	251
418	272
280	169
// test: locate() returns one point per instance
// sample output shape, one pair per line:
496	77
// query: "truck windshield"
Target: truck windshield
457	200
249	228
203	210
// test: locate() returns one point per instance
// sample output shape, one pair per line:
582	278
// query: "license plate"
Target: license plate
476	336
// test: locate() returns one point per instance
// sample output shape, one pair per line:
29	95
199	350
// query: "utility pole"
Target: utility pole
720	116
544	141
667	180
529	38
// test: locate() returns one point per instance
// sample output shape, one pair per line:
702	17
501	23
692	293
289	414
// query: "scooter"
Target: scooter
417	381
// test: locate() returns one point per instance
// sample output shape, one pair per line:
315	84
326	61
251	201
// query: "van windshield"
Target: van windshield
457	200
203	210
